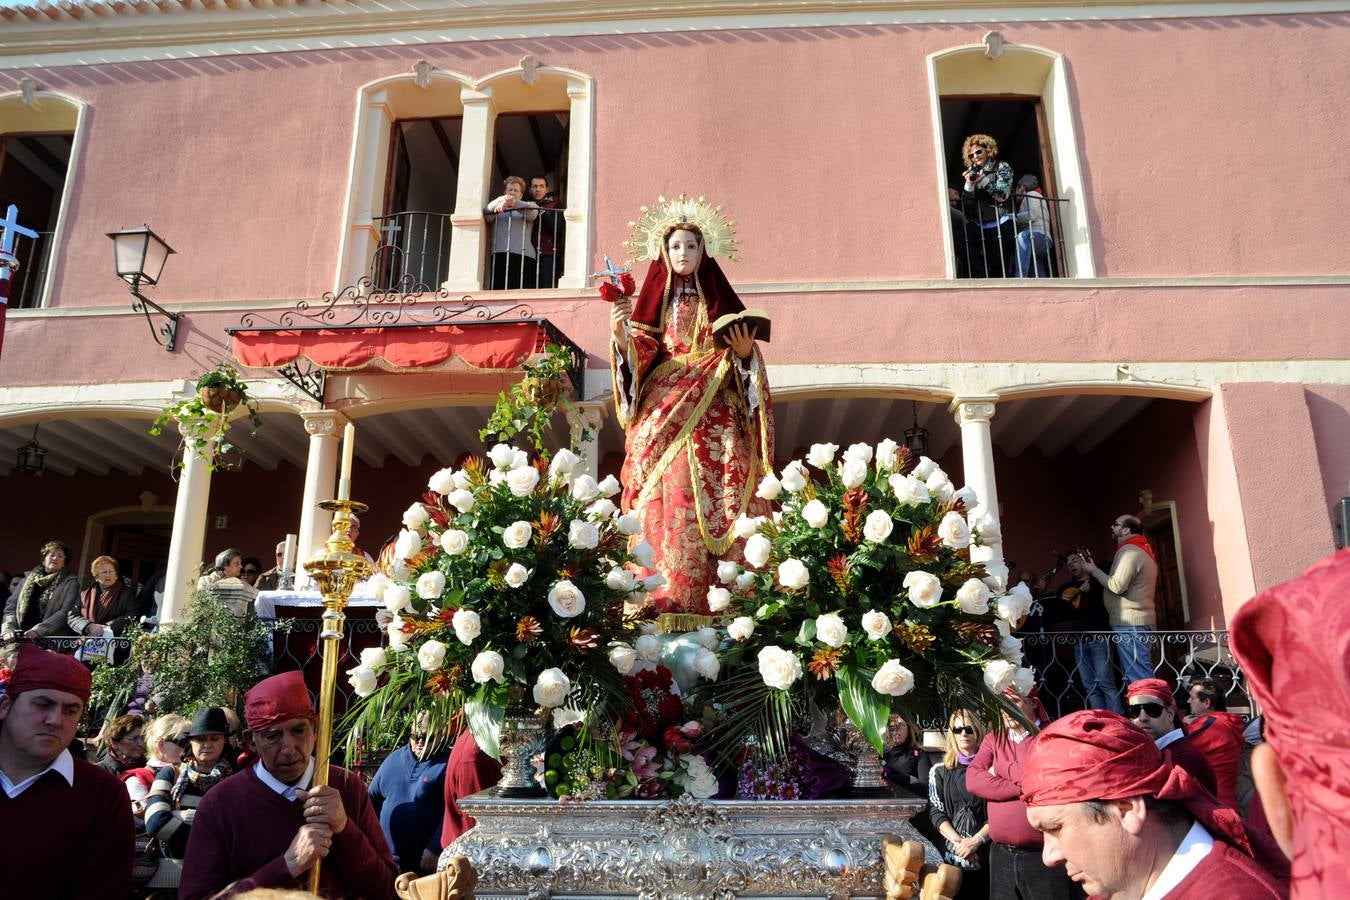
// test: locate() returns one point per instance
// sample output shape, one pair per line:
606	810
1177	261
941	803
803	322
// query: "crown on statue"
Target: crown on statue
719	232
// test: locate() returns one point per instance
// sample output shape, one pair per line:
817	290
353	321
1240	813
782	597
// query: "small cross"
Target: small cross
10	229
391	230
610	271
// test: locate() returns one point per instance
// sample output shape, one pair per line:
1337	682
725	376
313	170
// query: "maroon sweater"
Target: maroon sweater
1003	789
243	827
1230	874
68	842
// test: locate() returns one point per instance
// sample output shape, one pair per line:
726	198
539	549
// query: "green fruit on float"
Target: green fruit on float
569	743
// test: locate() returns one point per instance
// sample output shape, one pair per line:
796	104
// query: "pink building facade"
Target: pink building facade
1186	361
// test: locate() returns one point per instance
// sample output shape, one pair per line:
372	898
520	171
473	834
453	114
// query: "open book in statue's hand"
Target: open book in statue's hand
756	318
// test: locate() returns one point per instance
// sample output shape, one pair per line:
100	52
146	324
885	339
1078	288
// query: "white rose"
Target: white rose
653	581
622	657
467	625
461	480
893	679
582	535
564	716
853	473
831	630
363	680
522	459
407	545
377	584
1010	648
908	490
727	570
645	555
793	574
996	576
1015	604
430	655
503	456
821	455
609	486
816	514
887	452
628	524
648	647
940	486
397	639
969	499
563	464
430	585
496	477
454	542
523	481
415	517
551	688
621	580
741	628
517	534
460	499
778	667
770	488
1024	681
585	489
925	590
708	638
745	581
981	520
603	508
707	665
878	526
442	482
757	550
566	599
374	658
925	468
953	531
793	478
998	675
399	570
860	452
973	597
516	575
876	624
397	598
719	598
744	526
488	666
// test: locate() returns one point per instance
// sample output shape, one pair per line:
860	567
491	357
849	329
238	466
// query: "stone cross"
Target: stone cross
610	271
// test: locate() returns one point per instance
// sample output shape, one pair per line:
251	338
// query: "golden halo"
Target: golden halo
719	233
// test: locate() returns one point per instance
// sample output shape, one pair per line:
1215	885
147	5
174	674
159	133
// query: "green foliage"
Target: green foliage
865	707
204	430
529	406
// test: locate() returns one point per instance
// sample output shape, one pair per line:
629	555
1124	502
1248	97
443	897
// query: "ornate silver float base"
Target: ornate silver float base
683	849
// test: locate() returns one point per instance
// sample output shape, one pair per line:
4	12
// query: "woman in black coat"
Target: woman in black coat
958	815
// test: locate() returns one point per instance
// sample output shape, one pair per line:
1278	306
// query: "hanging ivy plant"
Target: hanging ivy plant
529	406
204	419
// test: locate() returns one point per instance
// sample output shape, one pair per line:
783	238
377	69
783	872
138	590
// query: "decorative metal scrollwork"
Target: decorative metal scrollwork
358	305
306	376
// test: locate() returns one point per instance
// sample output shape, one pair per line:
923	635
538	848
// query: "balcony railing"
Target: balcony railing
1020	239
33	254
525	248
414	249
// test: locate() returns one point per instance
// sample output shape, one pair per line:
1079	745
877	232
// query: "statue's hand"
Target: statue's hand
619	314
741	337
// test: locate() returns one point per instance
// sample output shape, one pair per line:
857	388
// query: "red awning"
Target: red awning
500	346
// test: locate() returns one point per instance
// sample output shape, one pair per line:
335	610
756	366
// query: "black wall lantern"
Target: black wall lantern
140	255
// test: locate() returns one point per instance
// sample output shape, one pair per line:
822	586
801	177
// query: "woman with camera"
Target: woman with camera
990	231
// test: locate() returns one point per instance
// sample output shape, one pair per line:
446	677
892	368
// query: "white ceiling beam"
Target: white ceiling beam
135	457
59	443
1114	419
1086	411
1035	421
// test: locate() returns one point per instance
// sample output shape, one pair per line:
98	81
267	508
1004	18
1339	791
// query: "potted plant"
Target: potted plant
531	402
204	419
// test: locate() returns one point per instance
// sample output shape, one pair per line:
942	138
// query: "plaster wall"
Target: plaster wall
1329	412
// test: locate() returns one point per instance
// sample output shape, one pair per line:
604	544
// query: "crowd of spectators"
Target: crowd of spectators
527	235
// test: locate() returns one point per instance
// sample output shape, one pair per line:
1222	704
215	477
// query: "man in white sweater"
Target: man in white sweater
1130	588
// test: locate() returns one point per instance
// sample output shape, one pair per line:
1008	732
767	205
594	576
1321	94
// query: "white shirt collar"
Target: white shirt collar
1195	846
63	765
285	790
1175	734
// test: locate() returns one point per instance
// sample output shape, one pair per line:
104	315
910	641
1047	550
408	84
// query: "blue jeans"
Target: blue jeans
1092	656
1132	650
1033	255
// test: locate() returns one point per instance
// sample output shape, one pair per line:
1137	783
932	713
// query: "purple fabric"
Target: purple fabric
963	759
821	776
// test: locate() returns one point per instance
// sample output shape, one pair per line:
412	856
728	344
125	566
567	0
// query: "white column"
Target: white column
477	135
188	538
577	257
585	420
324	428
370	163
977	457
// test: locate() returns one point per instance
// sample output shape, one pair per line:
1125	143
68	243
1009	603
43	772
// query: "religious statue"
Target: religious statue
692	398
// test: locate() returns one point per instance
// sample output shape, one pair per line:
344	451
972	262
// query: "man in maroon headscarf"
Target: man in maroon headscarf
1217	733
68	830
266	826
1293	642
1151	705
1128	823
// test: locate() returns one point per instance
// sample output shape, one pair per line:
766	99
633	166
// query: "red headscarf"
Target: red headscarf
1138	540
1097	755
277	699
712	284
1293	642
38	669
1152	687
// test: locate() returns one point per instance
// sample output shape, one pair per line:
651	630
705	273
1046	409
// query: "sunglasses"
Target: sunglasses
1152	710
963	729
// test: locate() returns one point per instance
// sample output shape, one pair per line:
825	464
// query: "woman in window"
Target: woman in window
513	253
990	229
958	815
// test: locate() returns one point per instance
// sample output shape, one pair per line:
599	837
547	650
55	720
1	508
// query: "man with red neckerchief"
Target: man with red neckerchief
1130	587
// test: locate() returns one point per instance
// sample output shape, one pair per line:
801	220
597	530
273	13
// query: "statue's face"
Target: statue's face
686	251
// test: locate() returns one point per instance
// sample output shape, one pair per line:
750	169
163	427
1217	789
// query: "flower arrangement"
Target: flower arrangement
508	585
862	591
203	419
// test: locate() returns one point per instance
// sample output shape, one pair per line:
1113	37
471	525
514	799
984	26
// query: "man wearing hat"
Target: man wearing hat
68	825
267	827
1151	705
1127	823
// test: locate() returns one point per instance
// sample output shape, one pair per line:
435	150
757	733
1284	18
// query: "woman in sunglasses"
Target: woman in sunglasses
957	813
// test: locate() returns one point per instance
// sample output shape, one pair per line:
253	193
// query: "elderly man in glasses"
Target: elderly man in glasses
1150	704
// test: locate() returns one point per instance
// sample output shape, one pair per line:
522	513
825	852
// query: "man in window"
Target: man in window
548	232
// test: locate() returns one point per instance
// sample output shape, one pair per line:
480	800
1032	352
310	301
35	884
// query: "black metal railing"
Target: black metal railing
414	249
33	255
525	247
1023	238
